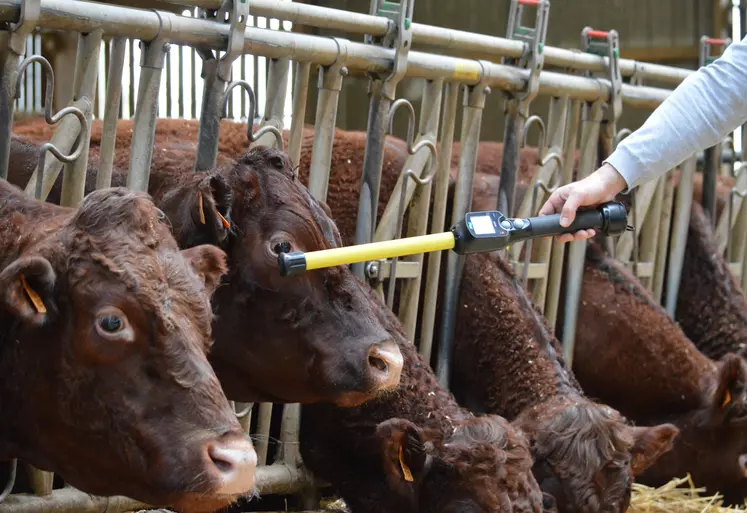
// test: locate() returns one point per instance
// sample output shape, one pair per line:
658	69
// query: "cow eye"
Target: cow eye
282	247
110	323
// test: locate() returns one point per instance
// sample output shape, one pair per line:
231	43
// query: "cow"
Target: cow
104	329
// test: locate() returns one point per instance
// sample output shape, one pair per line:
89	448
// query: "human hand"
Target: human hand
599	187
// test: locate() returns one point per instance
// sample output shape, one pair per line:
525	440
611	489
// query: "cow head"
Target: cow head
106	325
305	338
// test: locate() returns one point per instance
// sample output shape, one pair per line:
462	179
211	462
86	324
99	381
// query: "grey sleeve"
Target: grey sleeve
705	107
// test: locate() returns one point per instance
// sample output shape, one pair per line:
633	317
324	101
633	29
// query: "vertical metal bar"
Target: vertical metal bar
84	87
113	98
180	78
440	199
212	111
577	250
474	104
144	125
193	83
710	174
557	257
263	432
511	158
682	208
277	87
10	62
132	77
300	96
430	114
373	157
557	120
329	85
663	239
168	84
650	232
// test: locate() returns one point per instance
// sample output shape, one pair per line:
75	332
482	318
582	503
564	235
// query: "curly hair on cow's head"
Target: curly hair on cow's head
582	455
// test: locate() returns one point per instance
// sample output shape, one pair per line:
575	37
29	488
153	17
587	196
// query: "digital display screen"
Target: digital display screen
482	225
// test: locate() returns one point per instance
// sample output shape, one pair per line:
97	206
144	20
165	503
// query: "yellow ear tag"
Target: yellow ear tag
33	296
405	469
202	212
226	225
727	399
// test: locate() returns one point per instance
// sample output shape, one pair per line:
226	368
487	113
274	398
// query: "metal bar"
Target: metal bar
665	221
121	21
557	122
146	112
474	45
682	207
577	249
277	87
329	85
111	114
300	96
440	200
270	479
261	444
84	88
430	115
557	256
474	104
213	94
650	230
373	158
710	176
289	431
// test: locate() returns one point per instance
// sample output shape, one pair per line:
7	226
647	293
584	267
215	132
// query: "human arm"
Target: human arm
705	107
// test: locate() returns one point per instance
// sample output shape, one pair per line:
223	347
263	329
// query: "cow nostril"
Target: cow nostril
234	462
377	363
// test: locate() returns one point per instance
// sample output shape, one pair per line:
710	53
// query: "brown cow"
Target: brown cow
105	326
316	337
630	354
507	361
417	451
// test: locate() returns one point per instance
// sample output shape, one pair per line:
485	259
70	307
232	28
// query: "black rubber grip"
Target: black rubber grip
546	226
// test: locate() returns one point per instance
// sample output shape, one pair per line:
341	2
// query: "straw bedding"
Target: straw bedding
677	496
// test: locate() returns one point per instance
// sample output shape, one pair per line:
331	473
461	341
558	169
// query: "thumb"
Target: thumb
568	214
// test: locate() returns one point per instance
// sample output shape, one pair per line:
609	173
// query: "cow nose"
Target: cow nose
385	365
234	462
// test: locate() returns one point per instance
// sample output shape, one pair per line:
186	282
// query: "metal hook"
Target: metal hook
52	119
525	131
252	136
408	174
620	135
11	481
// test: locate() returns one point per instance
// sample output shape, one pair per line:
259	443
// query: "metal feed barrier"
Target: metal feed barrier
586	101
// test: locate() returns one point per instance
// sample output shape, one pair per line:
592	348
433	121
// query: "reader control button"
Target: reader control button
520	223
506	224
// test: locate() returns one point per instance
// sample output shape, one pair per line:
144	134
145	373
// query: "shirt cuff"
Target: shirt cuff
627	165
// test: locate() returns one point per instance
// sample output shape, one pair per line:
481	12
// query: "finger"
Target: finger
568	213
554	203
566	237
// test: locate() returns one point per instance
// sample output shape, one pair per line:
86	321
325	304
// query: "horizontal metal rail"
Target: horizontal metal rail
271	479
478	45
147	25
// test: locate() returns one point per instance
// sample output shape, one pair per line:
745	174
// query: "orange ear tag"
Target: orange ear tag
727	399
202	212
226	225
33	296
405	469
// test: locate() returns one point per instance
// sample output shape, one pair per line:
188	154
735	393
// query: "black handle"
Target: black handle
609	219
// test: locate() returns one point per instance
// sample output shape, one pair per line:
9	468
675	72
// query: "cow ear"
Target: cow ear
649	443
403	450
209	262
27	289
200	211
728	401
212	208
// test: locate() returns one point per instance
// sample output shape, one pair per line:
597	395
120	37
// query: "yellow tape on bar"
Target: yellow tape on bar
379	250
